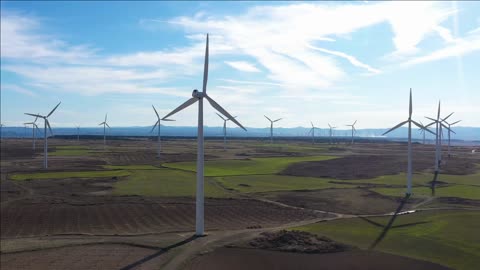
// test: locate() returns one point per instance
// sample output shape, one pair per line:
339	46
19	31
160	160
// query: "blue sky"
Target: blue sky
326	62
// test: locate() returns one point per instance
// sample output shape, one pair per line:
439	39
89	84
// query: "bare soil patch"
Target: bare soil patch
241	258
346	201
371	166
133	215
102	256
296	241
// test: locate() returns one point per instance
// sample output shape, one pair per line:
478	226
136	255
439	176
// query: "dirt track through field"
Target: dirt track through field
130	216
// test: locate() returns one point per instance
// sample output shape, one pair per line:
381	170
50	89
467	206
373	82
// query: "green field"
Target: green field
421	179
131	167
459	191
449	238
165	183
266	183
62	175
245	166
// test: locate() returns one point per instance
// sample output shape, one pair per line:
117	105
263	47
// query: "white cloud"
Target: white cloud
18	89
459	48
242	66
354	61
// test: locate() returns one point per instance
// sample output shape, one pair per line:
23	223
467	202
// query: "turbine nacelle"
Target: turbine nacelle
197	94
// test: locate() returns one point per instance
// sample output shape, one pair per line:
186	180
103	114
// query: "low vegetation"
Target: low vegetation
245	166
165	183
63	175
449	238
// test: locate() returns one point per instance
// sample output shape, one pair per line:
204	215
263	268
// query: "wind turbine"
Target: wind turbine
78	133
198	96
438	131
331	132
46	123
105	124
422	131
409	121
353	128
224	131
312	130
34	129
159	127
450	130
271	127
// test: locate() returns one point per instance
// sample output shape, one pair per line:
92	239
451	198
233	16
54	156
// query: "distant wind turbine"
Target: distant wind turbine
438	133
34	129
271	127
422	131
312	131
353	128
409	121
450	130
105	124
224	131
199	96
158	123
78	133
331	132
46	124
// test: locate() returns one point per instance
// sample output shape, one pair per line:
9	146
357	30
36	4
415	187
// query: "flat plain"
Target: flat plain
124	198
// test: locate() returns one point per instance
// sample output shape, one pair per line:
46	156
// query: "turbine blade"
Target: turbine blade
48	125
447	117
205	69
221	117
168	120
105	118
455	122
429	124
181	107
354	123
329	126
435	120
421	127
53	109
278	119
268	118
156	112
107	125
438	113
156	123
312	124
395	127
410	104
36	115
223	111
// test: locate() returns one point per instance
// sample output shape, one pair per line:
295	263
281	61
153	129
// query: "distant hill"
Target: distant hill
462	133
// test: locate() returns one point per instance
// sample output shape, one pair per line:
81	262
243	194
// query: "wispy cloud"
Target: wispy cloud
242	66
18	89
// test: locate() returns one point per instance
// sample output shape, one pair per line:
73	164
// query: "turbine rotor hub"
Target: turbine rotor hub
197	94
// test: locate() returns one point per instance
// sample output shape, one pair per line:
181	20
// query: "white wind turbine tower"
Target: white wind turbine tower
158	123
331	132
438	131
105	124
450	130
271	127
34	129
353	128
198	96
46	124
312	131
224	131
409	121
